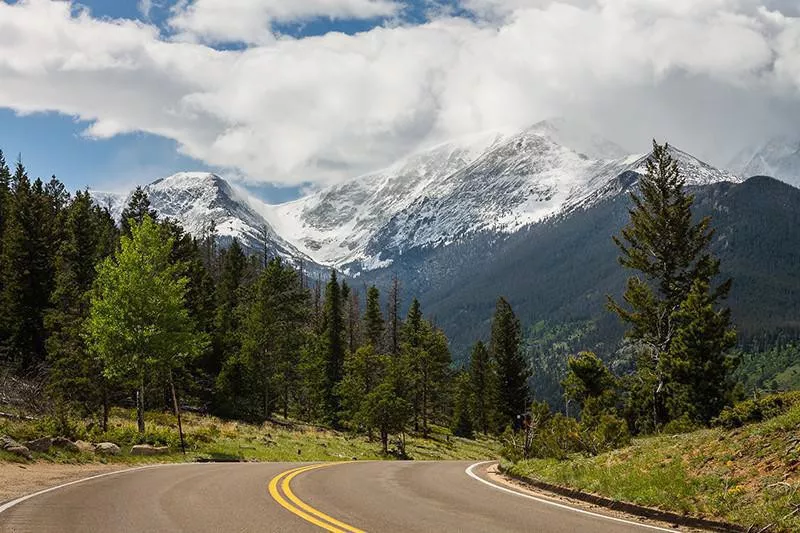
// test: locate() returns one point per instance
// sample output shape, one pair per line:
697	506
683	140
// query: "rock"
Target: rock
146	449
42	445
85	447
65	444
11	446
107	448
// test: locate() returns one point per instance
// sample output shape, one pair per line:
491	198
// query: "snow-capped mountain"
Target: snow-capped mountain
198	200
492	183
778	158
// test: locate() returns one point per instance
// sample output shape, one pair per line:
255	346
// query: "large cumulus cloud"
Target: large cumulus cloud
709	75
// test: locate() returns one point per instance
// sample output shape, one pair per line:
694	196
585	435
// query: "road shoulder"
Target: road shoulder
17	480
603	506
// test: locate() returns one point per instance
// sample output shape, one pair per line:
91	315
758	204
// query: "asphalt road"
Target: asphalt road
285	497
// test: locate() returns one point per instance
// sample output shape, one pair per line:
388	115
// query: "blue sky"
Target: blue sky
53	143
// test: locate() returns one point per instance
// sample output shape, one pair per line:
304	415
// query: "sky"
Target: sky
284	96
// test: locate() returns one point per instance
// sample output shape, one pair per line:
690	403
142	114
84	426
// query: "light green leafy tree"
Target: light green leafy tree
138	324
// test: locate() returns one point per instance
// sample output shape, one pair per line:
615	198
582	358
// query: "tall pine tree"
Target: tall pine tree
76	379
671	252
334	335
483	383
28	244
137	209
512	368
373	319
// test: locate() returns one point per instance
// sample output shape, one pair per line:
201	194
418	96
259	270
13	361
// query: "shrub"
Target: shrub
756	410
680	425
608	433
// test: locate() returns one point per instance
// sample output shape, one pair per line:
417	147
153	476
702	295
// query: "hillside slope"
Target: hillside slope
748	476
562	269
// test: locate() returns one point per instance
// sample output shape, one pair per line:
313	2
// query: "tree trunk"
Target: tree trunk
177	411
105	408
425	408
140	405
266	398
385	441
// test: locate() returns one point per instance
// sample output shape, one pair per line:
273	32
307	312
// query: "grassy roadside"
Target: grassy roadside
747	476
210	438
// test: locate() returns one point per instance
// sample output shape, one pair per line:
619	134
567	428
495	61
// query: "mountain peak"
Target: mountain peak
778	157
579	137
198	200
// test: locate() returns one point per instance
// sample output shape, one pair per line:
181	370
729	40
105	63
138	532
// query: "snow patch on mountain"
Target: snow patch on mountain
778	158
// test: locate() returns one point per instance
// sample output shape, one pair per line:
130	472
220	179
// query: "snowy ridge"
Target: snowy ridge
778	158
496	182
449	192
200	200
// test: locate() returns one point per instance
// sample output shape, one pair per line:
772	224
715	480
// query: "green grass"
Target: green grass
747	476
210	438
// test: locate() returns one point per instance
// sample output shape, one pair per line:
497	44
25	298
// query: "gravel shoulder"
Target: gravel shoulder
21	479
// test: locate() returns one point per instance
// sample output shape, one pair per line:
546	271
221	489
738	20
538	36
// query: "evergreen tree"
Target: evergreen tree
272	334
697	365
352	312
425	358
462	418
373	319
590	384
137	209
233	382
387	411
334	334
76	379
483	382
138	324
512	368
233	277
5	206
200	302
670	250
28	244
364	370
310	397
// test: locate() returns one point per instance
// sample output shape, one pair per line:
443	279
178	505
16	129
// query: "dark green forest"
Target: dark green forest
143	314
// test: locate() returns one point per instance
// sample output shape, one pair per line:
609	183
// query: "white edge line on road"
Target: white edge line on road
8	505
471	473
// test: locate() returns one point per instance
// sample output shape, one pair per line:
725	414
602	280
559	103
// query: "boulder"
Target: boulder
11	446
146	449
107	448
65	444
41	445
85	447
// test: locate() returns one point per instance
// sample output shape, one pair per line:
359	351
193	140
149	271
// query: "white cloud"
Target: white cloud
707	75
145	6
251	21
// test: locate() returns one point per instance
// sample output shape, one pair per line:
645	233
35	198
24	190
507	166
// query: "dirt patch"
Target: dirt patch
19	480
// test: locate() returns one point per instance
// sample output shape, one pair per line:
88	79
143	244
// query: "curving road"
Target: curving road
283	497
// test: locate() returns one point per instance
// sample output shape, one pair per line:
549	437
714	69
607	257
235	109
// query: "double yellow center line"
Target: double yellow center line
281	492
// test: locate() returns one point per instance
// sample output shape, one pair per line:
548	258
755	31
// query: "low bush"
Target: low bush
756	410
